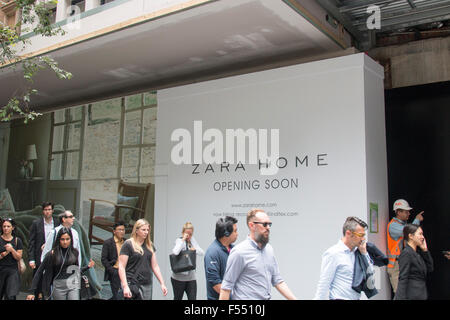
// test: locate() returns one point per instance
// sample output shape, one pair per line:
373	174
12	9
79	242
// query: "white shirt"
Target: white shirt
336	274
48	227
180	244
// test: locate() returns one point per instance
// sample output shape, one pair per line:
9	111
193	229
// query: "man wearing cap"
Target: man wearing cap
395	238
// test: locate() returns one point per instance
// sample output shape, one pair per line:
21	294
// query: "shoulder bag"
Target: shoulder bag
21	264
184	261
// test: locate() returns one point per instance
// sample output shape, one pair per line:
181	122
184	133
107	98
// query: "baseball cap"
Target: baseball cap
401	204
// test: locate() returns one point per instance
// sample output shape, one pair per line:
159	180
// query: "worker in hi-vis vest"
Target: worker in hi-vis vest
395	238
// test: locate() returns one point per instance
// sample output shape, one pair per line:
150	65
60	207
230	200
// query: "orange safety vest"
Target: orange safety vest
394	246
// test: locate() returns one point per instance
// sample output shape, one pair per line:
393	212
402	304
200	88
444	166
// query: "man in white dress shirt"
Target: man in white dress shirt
338	263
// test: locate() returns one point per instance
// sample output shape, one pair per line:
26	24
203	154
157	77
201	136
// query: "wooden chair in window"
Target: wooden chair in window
134	193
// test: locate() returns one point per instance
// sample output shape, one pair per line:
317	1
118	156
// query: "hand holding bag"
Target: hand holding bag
184	261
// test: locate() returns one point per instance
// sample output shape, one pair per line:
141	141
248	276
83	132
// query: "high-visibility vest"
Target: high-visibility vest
394	246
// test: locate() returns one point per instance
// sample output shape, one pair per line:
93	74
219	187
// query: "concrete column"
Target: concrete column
61	9
91	4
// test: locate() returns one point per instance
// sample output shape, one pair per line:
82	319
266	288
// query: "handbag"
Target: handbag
87	292
21	264
184	261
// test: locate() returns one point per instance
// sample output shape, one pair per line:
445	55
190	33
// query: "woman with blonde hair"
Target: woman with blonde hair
185	281
137	260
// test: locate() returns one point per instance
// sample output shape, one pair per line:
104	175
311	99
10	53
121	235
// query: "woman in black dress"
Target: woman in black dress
415	264
10	253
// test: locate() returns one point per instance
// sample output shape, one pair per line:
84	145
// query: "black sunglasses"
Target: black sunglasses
264	224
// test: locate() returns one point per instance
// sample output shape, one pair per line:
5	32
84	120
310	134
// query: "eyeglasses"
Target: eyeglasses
361	235
264	224
70	217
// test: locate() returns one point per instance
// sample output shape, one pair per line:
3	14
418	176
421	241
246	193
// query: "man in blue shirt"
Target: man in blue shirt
338	263
217	255
252	269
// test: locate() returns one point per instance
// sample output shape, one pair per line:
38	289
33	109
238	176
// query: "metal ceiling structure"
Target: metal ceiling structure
211	40
396	16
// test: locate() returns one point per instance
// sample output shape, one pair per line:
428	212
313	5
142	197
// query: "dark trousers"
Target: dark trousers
114	281
179	287
9	283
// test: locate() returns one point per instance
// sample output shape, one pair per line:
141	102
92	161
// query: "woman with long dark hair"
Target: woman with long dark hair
10	253
59	271
415	264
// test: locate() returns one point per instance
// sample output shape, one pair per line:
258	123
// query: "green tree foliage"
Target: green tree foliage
38	14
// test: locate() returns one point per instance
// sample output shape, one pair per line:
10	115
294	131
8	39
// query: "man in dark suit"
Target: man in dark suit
110	257
39	231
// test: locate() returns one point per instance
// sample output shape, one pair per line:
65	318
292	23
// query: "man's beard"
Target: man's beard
261	239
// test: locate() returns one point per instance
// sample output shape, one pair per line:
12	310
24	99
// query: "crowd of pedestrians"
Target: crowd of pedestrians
246	271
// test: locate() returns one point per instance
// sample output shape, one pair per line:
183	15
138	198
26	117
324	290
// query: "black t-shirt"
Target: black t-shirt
8	260
138	266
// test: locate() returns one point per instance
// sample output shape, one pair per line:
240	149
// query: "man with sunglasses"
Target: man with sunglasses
338	263
252	269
